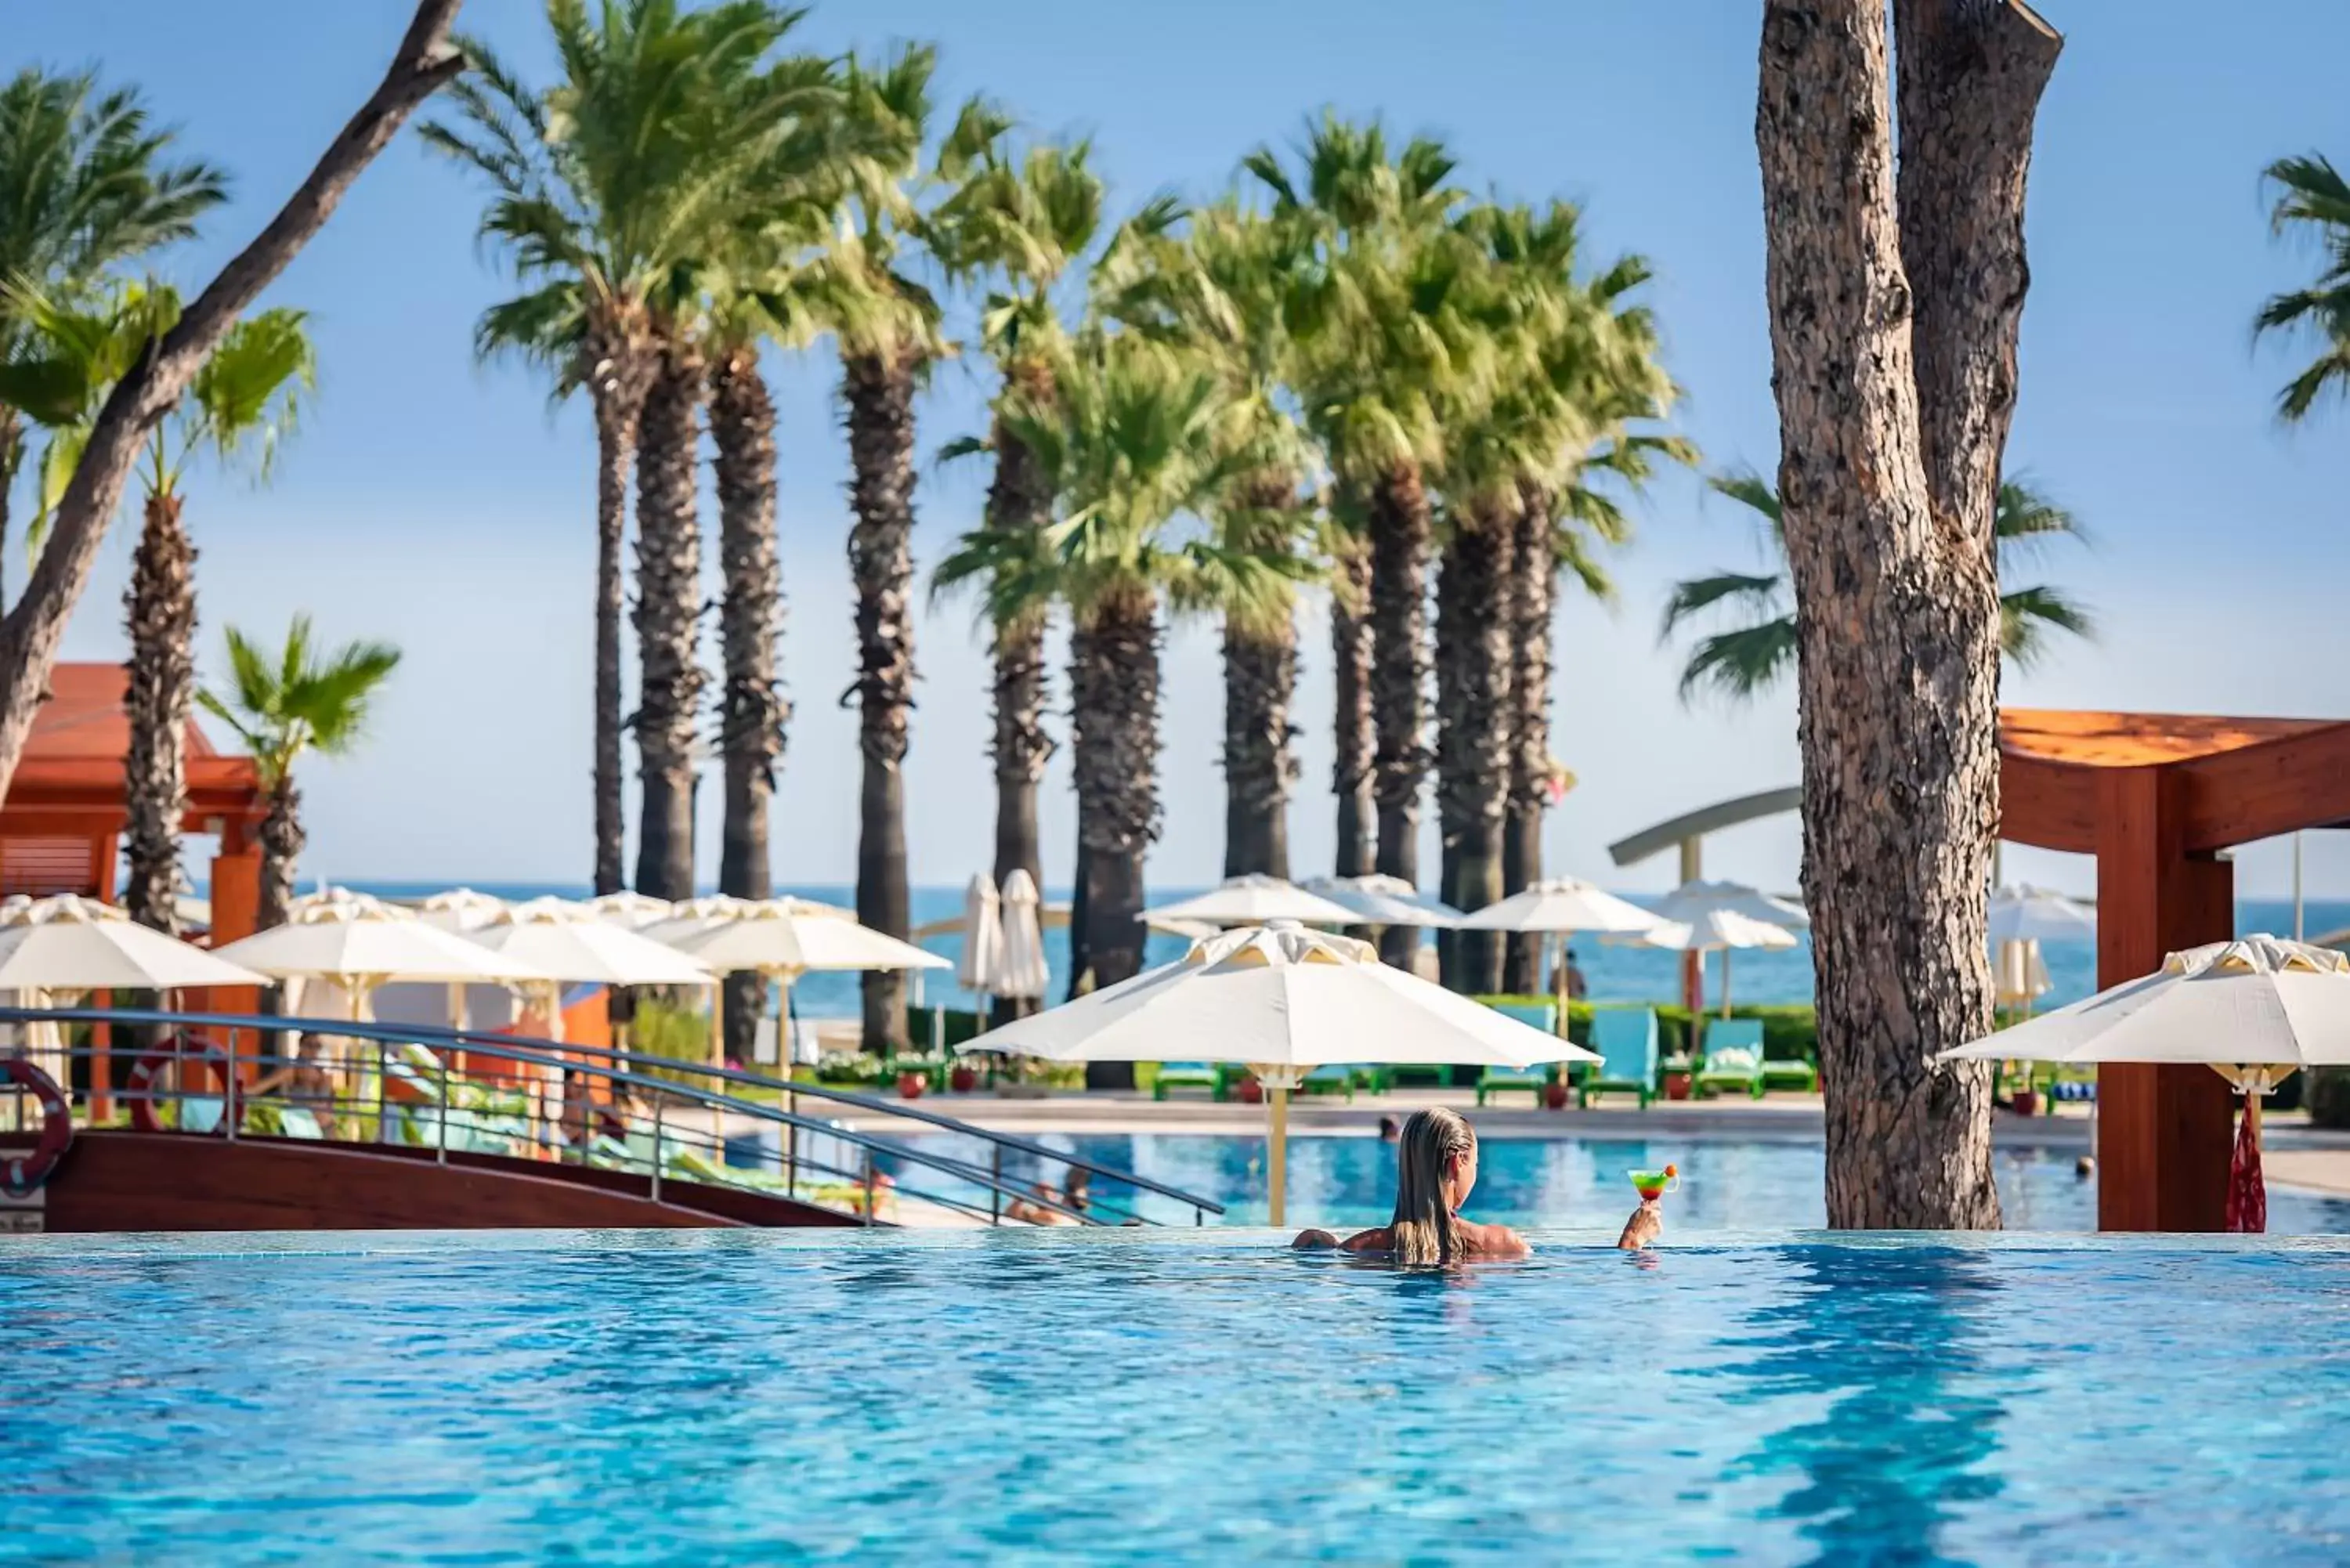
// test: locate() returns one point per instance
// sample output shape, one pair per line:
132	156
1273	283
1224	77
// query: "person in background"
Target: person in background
1389	1129
1076	1192
1577	988
1436	1168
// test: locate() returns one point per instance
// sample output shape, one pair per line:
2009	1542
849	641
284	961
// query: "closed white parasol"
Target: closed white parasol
1280	998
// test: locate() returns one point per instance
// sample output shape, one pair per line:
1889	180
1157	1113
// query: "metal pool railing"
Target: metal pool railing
462	1091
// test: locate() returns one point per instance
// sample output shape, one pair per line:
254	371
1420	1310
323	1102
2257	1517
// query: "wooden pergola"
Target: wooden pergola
63	816
2159	799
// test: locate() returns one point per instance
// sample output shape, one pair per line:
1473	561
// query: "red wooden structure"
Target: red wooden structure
2158	798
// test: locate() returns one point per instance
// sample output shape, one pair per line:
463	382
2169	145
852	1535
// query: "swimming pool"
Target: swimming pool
1545	1182
761	1397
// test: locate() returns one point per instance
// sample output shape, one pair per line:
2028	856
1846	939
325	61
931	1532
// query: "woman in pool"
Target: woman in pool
1436	1166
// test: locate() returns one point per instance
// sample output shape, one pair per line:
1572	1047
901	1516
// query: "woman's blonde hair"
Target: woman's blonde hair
1422	1230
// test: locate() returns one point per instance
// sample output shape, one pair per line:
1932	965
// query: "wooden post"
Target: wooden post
2164	1133
236	912
1693	962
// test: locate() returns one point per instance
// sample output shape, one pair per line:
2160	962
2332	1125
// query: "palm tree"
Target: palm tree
1218	291
604	192
886	324
1386	357
1750	657
285	702
1132	438
84	185
1020	223
242	404
2311	198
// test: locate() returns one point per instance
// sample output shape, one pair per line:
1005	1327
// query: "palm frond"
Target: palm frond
1741	663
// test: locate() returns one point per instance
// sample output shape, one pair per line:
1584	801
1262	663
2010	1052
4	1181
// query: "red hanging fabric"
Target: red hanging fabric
2248	1196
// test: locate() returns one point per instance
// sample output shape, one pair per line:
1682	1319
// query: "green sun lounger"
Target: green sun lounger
1734	1057
1542	1015
1332	1078
1790	1073
1626	1039
1206	1075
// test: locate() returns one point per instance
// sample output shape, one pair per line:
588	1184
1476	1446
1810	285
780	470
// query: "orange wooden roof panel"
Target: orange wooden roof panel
84	718
2095	740
73	758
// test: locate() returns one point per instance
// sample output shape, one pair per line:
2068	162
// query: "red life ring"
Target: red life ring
146	1112
20	1173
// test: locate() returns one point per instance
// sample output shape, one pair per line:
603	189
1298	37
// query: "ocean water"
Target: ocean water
765	1396
1726	1187
1616	973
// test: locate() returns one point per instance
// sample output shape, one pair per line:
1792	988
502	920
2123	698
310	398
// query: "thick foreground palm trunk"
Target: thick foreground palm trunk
1351	652
1399	530
1533	572
1894	351
880	391
1473	735
161	610
668	619
619	371
751	707
1019	497
1115	688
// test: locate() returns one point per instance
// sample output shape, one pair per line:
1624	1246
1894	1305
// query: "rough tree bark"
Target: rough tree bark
30	632
668	622
159	612
282	839
1894	375
1019	497
619	368
1474	732
12	453
1350	650
1116	721
880	390
1399	531
1259	683
1534	576
751	707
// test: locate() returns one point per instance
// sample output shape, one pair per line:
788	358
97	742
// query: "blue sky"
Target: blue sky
445	505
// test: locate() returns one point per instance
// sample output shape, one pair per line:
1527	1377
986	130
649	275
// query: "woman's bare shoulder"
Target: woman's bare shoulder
1493	1241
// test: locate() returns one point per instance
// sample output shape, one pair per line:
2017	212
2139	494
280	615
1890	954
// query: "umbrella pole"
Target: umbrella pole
1725	982
1276	1112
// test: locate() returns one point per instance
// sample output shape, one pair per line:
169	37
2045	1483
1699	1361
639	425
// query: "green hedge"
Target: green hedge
1789	1033
2328	1095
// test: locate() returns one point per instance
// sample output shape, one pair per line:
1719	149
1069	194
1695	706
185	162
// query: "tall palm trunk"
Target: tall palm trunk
668	621
1081	973
282	839
1474	714
161	610
1115	712
1350	650
1533	574
1893	339
1259	683
1399	530
751	710
1450	736
1019	497
619	371
880	390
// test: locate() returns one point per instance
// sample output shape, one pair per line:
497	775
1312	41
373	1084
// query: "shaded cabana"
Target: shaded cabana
62	822
2160	799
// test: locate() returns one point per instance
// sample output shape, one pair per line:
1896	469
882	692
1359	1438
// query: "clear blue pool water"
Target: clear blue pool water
1551	1182
746	1397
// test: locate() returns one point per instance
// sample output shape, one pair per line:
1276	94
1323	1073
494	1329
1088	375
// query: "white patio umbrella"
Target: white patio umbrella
783	939
1718	928
54	951
463	911
1382	900
1281	1000
1252	900
2026	914
569	945
359	944
634	911
1691	900
1558	908
1021	973
2255	1010
982	937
